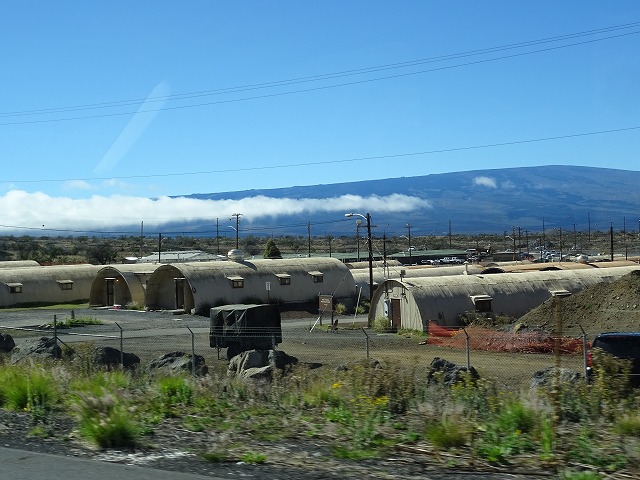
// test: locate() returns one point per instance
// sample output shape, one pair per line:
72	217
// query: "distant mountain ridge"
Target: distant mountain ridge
481	201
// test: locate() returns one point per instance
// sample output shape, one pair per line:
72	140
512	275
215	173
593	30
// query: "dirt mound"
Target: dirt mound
605	307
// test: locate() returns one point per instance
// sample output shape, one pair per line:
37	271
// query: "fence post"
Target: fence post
366	340
121	346
55	330
584	354
193	352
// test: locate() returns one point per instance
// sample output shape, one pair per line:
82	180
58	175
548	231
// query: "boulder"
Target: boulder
110	357
259	364
6	342
177	362
448	373
43	348
546	377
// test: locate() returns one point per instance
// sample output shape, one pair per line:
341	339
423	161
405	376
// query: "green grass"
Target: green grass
358	414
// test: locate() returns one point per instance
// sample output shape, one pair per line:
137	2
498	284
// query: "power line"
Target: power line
339	161
314	79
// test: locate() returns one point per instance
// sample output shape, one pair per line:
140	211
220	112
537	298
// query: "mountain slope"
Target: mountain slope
483	200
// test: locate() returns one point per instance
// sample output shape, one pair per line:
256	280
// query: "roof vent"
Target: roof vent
235	255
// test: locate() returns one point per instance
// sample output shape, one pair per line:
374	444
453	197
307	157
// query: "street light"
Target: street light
367	217
236	230
237	227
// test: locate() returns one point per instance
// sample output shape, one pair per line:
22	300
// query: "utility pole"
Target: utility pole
611	239
218	235
141	237
309	239
409	238
237	229
358	225
159	246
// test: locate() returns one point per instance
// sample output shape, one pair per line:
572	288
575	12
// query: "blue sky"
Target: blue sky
108	104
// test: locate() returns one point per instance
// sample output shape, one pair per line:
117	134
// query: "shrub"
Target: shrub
31	389
106	419
447	433
382	324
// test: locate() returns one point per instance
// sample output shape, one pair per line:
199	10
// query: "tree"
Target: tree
102	253
271	250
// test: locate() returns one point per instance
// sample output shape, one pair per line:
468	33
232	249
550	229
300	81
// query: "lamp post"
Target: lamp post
237	227
367	217
236	230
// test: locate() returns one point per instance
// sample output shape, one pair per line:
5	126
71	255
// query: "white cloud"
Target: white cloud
485	182
32	210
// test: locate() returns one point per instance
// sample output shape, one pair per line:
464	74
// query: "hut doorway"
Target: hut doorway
110	291
179	283
396	318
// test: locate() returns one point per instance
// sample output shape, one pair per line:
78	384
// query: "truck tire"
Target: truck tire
232	351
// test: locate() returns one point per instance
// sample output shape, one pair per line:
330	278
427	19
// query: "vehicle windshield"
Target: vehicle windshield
620	346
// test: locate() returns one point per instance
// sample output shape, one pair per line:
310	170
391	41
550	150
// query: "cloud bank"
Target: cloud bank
41	211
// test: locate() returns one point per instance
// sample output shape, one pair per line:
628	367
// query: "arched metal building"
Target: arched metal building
196	287
124	284
18	263
46	285
414	302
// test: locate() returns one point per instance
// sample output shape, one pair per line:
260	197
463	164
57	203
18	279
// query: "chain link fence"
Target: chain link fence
513	359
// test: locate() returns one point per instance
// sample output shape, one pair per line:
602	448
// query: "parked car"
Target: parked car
622	345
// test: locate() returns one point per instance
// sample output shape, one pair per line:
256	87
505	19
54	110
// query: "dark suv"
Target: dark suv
623	345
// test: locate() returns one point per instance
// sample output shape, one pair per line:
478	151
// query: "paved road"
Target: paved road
23	465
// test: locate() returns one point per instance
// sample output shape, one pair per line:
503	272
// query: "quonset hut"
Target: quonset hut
124	284
414	302
46	285
196	287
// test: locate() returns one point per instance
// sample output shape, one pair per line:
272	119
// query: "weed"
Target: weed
77	322
588	450
175	393
31	389
106	419
254	458
628	425
382	324
216	457
447	433
583	475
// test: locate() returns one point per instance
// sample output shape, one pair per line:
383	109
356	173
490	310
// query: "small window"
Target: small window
482	303
285	278
236	281
65	284
15	287
483	306
318	277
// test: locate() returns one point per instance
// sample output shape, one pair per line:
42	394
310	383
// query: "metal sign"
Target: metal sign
268	285
326	302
